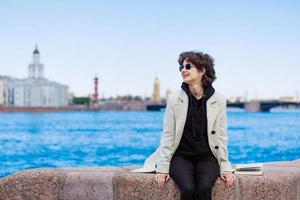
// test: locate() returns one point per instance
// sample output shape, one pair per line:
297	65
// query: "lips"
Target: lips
184	75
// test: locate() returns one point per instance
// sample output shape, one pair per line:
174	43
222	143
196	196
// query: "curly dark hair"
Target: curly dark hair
201	61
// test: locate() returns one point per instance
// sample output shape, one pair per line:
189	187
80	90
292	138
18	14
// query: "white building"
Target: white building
34	91
2	86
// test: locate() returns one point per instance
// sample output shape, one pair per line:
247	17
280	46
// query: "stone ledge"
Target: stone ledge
281	180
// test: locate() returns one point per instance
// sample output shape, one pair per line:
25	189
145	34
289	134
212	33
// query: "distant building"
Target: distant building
168	92
96	93
34	91
288	99
2	85
156	95
235	99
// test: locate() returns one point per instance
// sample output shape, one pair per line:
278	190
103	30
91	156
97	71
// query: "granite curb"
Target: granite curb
281	180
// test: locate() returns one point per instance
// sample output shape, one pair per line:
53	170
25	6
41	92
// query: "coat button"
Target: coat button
216	147
213	132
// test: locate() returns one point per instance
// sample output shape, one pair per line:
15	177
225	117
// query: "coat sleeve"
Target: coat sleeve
225	165
167	140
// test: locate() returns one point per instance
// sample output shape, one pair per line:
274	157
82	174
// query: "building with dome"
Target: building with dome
33	91
156	90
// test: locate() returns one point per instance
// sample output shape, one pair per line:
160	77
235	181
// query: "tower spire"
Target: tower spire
96	93
156	86
36	69
36	51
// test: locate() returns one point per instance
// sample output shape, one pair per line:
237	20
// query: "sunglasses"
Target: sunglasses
187	66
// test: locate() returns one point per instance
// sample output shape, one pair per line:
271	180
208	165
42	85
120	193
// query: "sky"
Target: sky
255	44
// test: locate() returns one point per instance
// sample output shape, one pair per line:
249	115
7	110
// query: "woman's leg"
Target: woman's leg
207	172
182	170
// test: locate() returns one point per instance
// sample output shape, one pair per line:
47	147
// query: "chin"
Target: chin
186	81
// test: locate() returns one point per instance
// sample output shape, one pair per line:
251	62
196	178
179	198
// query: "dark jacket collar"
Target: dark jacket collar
208	90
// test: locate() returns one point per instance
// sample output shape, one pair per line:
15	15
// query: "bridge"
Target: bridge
251	106
261	106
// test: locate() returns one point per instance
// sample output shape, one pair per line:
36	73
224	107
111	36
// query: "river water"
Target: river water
118	138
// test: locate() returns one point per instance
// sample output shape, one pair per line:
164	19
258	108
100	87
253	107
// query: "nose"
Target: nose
183	72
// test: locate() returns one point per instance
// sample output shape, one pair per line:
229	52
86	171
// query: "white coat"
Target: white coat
173	126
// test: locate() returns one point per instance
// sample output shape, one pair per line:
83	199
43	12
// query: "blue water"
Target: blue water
105	138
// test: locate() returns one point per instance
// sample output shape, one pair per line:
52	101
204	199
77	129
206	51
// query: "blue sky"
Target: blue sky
256	44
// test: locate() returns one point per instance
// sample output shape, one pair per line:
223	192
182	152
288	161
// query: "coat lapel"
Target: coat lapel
181	108
211	112
180	111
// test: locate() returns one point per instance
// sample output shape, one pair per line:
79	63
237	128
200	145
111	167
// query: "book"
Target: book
249	169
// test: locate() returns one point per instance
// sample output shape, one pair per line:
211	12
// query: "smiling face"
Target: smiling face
193	75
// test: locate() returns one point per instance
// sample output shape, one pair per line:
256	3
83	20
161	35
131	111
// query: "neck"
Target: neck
196	90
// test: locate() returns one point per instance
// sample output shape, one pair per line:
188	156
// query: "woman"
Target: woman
193	147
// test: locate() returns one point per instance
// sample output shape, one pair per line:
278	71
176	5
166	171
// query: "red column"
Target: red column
95	95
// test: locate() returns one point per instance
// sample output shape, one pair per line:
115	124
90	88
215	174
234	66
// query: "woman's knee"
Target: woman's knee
187	188
204	186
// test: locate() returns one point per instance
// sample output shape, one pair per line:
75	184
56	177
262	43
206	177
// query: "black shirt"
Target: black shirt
194	141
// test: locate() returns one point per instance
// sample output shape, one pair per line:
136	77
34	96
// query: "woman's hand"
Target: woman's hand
161	179
228	178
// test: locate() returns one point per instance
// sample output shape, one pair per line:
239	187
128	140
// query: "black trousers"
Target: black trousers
195	176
